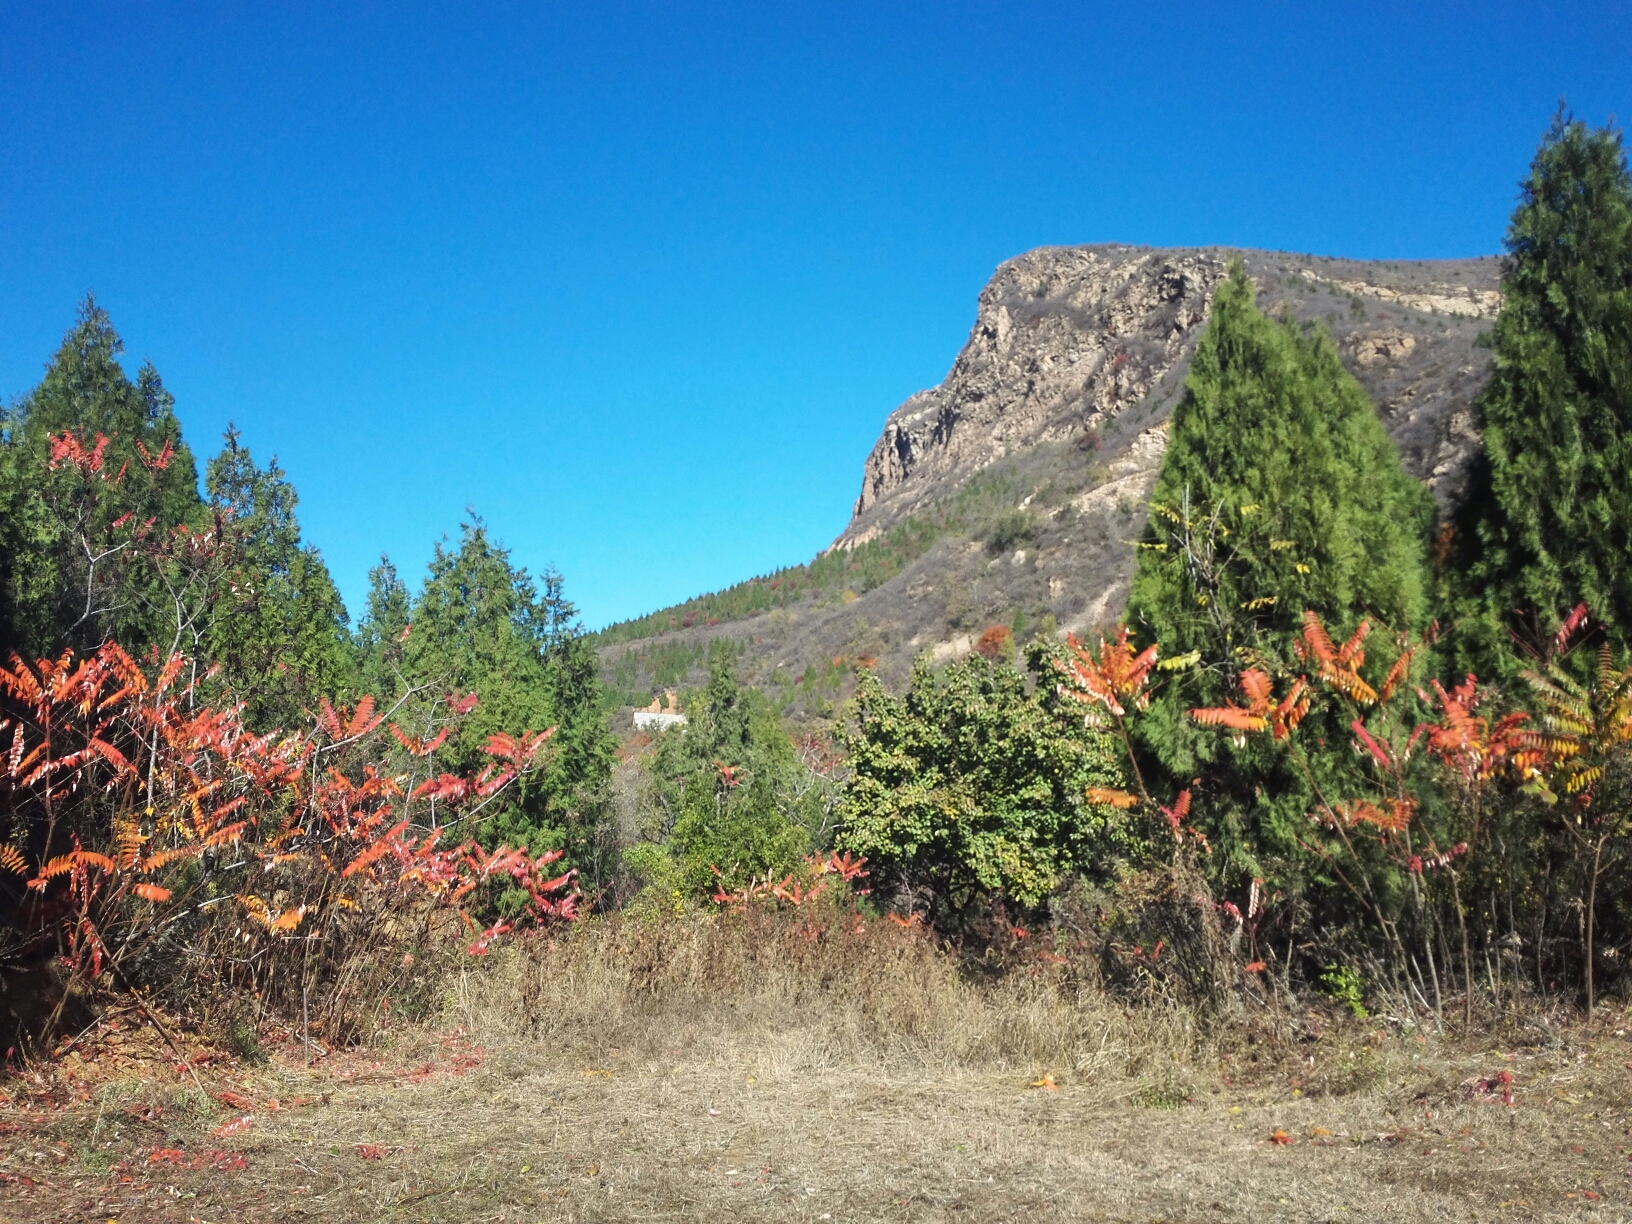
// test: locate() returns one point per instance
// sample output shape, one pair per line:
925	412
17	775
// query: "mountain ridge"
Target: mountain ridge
1009	492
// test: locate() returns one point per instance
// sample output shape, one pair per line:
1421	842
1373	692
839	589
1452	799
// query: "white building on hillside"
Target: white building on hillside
663	713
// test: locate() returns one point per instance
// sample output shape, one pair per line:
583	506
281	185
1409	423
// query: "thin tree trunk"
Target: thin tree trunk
1467	955
1592	905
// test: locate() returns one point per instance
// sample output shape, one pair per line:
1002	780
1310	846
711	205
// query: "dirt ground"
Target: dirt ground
677	1101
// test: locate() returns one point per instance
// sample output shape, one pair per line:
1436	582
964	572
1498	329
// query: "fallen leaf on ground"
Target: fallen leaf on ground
1281	1137
1046	1083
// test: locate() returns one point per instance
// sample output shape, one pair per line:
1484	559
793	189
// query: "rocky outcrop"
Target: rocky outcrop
1067	338
1063	339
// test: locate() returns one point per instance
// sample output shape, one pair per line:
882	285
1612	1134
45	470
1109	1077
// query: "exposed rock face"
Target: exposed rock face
1066	338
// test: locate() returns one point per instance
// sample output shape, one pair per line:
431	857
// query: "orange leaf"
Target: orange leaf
363	721
1231	716
151	892
1119	674
90	858
1280	1137
1377	751
1255	686
1111	798
230	833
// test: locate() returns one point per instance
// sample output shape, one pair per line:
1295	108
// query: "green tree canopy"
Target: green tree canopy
967	787
381	632
1280	492
1548	518
481	625
51	596
734	802
277	626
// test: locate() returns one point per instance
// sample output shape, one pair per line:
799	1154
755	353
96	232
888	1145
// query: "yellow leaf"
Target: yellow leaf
1180	662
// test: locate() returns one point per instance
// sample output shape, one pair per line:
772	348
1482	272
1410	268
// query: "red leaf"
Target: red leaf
1372	746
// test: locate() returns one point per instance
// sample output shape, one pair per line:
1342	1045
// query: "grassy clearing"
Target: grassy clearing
791	1069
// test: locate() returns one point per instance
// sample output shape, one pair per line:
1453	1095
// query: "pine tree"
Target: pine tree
44	575
480	625
380	637
1280	492
725	786
277	625
1548	519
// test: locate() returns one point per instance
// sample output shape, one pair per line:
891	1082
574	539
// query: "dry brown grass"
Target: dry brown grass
787	1068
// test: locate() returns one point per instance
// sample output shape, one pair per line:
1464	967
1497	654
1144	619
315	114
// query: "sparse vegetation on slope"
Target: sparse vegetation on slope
854	569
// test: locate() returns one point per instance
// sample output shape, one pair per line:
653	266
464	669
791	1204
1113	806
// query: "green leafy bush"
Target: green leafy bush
1344	984
967	787
1010	531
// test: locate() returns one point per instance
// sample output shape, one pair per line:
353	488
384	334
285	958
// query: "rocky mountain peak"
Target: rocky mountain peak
1067	338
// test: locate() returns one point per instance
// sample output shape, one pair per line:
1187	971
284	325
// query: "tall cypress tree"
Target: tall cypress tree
1548	519
1280	492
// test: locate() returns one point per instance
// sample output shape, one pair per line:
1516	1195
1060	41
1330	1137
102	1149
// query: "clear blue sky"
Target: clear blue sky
640	284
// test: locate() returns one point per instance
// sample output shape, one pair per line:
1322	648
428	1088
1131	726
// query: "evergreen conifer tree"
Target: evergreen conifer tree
1548	519
43	570
1280	492
724	783
277	626
380	638
480	624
